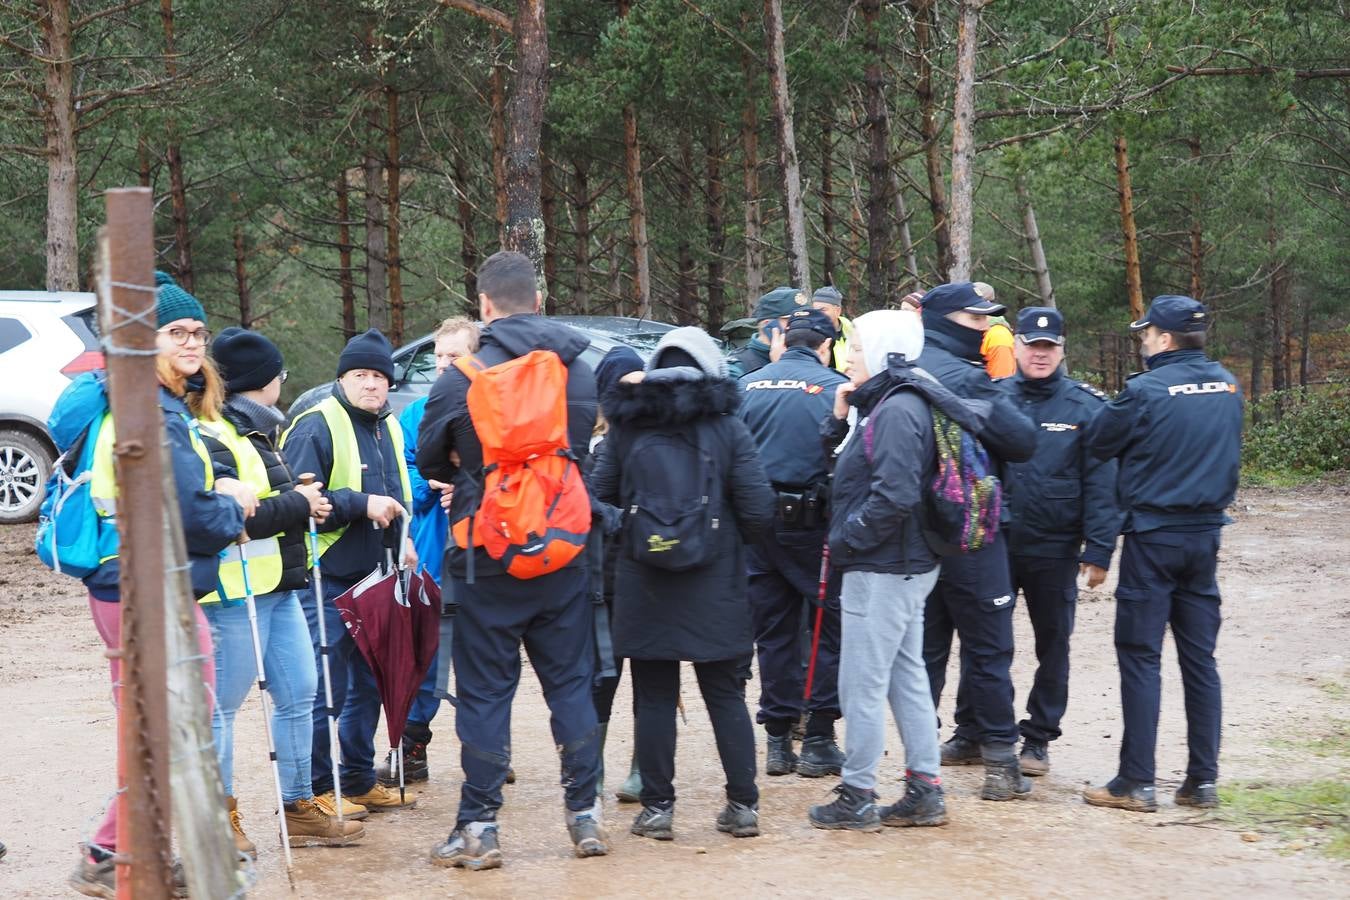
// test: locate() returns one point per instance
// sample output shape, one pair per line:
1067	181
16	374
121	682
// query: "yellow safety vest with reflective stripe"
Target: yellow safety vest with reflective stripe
347	457
103	481
263	554
841	343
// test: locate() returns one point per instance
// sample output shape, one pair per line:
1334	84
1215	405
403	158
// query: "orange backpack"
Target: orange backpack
534	514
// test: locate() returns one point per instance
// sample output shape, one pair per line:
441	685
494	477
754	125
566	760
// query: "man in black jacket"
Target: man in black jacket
551	615
1177	431
974	596
782	405
1063	517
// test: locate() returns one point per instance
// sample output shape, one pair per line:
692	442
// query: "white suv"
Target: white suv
46	339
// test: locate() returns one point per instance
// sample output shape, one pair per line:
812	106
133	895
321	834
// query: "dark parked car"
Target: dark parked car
415	362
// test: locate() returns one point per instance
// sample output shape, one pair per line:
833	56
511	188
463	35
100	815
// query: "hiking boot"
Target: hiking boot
309	826
631	789
474	846
655	823
327	805
94	878
1035	759
587	831
1119	793
241	841
852	810
960	752
820	756
922	805
1200	794
779	758
382	799
739	819
414	765
510	775
1003	779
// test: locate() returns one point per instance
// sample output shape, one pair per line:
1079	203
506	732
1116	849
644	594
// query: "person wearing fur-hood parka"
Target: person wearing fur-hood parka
680	591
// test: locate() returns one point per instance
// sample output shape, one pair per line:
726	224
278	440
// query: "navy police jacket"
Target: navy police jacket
783	404
1177	430
1062	501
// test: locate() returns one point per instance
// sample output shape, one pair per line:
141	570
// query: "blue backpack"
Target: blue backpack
68	534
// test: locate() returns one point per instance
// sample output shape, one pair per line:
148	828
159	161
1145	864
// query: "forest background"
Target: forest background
323	166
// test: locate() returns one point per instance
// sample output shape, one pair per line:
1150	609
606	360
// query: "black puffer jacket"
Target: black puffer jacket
700	615
287	514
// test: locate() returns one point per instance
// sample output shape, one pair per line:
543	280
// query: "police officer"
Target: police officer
831	302
771	312
1177	430
783	404
1063	517
974	596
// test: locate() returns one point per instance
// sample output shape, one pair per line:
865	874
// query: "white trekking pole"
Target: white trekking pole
266	705
334	745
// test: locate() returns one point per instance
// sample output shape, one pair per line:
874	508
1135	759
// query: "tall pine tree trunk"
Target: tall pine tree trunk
1134	287
878	162
468	238
345	258
925	24
241	279
686	279
827	201
58	115
377	248
1032	233
1197	250
173	155
794	220
497	128
637	206
524	125
395	225
581	252
963	141
717	229
911	280
548	207
754	242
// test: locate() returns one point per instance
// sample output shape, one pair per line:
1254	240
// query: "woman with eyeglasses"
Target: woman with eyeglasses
244	438
213	510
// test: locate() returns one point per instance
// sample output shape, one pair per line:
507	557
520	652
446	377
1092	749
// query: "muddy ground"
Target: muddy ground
1283	655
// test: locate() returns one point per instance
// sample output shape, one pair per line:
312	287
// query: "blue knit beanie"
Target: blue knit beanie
368	351
173	303
615	364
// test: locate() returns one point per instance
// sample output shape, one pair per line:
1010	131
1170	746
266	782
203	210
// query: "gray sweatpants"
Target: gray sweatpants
880	662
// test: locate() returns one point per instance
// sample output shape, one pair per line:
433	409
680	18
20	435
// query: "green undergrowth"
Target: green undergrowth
1303	815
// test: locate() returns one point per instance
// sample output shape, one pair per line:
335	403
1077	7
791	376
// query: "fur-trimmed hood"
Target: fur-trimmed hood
671	402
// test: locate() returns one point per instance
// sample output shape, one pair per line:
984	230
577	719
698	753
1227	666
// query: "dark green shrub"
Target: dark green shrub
1301	432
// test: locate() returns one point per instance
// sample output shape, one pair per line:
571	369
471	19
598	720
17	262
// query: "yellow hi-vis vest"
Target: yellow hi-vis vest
347	457
263	554
841	343
103	481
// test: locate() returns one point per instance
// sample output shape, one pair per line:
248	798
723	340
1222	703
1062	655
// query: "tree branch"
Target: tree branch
104	13
1033	112
494	17
1262	70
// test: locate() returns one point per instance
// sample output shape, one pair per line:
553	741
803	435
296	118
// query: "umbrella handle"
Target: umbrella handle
404	531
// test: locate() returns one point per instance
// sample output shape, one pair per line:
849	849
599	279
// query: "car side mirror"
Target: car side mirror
400	372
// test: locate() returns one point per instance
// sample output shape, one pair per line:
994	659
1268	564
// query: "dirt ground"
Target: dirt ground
1283	655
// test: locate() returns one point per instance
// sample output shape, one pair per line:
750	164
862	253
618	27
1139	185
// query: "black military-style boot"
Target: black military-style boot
820	756
779	759
1003	779
853	810
959	751
922	805
1201	794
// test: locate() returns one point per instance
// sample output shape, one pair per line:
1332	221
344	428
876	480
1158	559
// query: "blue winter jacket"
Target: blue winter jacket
1062	501
211	521
431	523
1177	430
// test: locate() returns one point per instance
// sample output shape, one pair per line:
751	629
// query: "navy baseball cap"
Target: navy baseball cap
1040	323
813	319
1173	312
959	296
779	302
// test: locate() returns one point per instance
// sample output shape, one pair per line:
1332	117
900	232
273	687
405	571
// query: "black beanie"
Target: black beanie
368	351
247	359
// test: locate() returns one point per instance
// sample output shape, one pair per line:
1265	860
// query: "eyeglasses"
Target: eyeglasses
181	336
284	375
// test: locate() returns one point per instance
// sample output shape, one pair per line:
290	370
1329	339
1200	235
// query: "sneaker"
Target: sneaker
473	846
779	758
1122	794
852	810
655	823
94	878
631	789
382	799
1201	794
587	831
241	841
820	756
960	752
414	765
1035	759
922	805
739	819
327	804
307	825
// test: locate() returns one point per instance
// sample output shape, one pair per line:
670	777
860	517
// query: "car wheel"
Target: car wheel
25	464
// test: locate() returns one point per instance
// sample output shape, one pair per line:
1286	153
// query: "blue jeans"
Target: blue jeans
356	700
288	662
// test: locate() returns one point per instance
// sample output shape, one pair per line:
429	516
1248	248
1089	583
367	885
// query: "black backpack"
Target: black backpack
672	487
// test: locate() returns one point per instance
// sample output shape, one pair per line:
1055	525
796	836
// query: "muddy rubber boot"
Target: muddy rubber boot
472	847
631	789
586	828
241	841
1003	779
309	826
922	804
778	756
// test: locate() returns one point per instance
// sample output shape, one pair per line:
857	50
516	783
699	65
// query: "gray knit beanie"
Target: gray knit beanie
697	344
